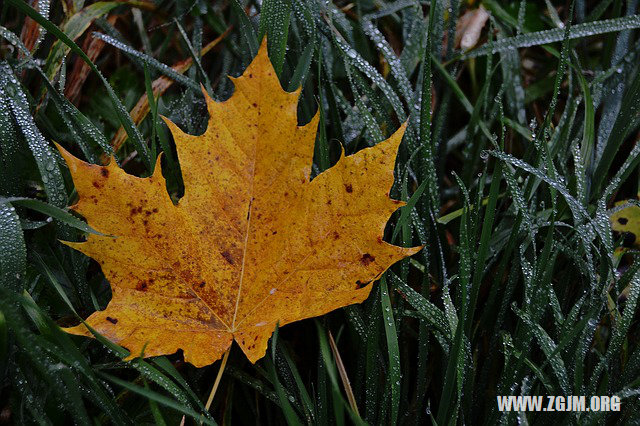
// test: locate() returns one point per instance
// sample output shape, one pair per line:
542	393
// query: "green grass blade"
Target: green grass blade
275	17
393	349
51	211
123	115
158	398
13	98
13	261
551	36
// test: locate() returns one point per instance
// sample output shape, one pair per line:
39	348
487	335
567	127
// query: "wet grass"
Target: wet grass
515	153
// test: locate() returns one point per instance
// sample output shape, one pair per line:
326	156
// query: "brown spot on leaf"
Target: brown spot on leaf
227	256
97	184
348	188
202	284
622	220
255	105
142	286
104	172
335	235
366	259
360	284
112	320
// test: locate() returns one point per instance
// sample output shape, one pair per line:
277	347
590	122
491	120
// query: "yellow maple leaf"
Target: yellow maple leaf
253	243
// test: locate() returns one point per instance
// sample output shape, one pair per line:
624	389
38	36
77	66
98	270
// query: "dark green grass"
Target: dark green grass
509	181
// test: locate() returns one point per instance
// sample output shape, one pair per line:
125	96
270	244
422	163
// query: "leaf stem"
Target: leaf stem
225	357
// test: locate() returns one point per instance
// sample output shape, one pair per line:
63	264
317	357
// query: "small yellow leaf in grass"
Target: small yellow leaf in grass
627	222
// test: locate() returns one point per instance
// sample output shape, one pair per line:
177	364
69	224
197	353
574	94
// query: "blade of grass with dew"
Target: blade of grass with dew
13	98
307	403
393	349
195	56
372	360
10	183
626	121
51	211
155	411
148	60
158	398
374	133
287	410
354	58
66	352
619	332
153	108
124	117
246	29
85	132
551	36
13	262
149	372
405	213
457	91
321	154
434	317
449	401
73	28
302	69
397	70
339	404
275	17
427	165
322	399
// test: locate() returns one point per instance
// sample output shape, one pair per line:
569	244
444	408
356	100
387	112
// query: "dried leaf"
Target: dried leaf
252	243
92	47
469	27
30	31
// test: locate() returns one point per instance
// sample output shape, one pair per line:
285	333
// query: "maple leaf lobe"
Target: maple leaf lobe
252	243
